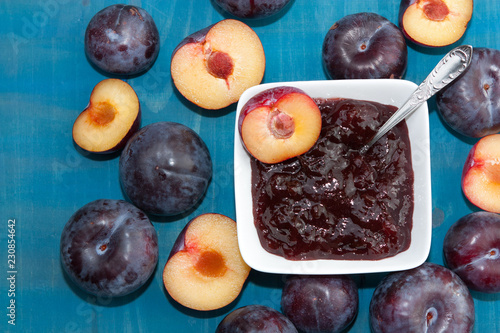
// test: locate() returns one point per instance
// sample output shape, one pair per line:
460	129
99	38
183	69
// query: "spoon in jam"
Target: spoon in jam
446	71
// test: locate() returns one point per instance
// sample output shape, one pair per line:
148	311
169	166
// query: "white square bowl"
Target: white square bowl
387	91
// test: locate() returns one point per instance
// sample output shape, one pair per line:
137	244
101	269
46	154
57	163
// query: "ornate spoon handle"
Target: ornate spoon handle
448	69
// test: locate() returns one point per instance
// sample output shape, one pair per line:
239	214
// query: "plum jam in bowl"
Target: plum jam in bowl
335	209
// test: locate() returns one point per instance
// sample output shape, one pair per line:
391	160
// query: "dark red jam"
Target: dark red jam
334	202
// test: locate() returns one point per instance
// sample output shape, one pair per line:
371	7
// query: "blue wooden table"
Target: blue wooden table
45	82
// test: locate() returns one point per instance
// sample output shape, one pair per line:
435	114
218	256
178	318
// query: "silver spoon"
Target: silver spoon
448	69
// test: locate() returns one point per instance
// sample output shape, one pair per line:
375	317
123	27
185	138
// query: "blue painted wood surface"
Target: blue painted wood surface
45	81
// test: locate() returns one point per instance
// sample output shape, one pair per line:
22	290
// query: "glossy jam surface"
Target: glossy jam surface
333	202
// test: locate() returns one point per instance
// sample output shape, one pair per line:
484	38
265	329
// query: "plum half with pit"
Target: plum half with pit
109	248
320	303
434	23
471	104
213	66
122	40
252	9
428	298
279	123
165	168
255	318
471	249
364	46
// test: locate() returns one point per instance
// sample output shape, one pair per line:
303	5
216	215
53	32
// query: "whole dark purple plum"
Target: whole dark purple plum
428	298
472	250
470	105
122	39
165	168
252	9
109	248
320	303
255	319
364	46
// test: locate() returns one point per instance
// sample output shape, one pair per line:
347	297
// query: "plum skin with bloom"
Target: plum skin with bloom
252	9
320	303
428	298
471	249
364	46
122	40
165	168
255	318
471	104
109	248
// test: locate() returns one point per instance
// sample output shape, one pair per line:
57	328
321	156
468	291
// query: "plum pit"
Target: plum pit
280	124
435	10
220	65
